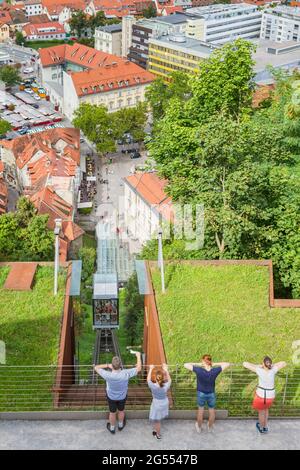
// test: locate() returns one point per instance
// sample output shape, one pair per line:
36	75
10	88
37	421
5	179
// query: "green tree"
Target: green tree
25	211
98	20
20	39
37	239
132	120
225	81
98	126
9	237
5	127
9	75
159	92
88	257
78	23
134	310
24	235
150	11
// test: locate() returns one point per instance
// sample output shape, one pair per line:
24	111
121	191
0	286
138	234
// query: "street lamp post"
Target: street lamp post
57	228
161	260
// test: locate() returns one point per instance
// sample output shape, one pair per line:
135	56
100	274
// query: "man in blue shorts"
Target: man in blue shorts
206	372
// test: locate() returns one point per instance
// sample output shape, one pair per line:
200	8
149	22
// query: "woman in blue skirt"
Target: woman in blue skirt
160	402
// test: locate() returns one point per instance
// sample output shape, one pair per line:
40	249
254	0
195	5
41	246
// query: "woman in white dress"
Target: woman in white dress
160	402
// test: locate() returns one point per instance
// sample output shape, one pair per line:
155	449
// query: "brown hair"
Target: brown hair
116	363
268	362
159	377
207	359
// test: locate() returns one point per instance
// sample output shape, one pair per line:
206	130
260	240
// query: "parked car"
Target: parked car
24	130
28	70
29	91
82	140
37	97
128	150
35	105
135	154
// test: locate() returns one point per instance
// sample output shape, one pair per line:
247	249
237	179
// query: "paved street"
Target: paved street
177	435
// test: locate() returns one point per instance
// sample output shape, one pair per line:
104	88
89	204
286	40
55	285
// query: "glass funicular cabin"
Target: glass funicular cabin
105	301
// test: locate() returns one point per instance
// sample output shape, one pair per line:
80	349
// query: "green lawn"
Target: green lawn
42	44
89	240
224	311
30	321
30	327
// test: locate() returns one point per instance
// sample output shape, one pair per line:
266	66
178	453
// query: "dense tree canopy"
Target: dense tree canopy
24	236
4	126
9	75
104	128
242	164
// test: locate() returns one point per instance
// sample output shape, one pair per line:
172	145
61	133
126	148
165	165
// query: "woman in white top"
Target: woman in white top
160	402
265	391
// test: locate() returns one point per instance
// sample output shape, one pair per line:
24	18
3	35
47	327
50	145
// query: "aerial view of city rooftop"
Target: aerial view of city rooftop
149	227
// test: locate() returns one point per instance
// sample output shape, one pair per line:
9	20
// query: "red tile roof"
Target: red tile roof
77	4
43	29
5	17
110	77
36	19
78	54
26	147
151	189
47	201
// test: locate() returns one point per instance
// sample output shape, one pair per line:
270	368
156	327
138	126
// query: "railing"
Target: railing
35	388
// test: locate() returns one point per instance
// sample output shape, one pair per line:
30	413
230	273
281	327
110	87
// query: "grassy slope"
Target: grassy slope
30	321
223	311
30	326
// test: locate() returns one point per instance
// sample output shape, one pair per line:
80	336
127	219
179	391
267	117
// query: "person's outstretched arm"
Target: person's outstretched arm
191	365
138	362
166	370
280	365
103	366
223	365
149	376
250	366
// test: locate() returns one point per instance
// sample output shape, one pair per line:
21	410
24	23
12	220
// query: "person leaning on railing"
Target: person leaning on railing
265	391
207	373
159	382
117	380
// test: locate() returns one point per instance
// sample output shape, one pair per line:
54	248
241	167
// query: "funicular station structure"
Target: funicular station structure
79	387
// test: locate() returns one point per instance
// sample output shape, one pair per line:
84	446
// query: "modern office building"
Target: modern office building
143	30
176	53
221	23
281	24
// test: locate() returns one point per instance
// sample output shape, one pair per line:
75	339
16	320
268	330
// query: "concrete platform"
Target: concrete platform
177	435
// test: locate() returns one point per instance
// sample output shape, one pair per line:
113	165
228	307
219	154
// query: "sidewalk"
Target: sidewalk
177	435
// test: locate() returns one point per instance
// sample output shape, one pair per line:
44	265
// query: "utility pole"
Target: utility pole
58	224
161	260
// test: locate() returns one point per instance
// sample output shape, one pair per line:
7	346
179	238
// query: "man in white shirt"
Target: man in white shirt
117	380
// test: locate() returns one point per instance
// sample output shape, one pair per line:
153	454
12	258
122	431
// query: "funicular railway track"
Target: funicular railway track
106	344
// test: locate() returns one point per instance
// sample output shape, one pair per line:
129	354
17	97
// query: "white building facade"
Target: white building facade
281	24
33	7
109	39
222	23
